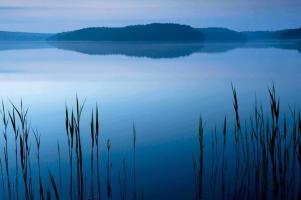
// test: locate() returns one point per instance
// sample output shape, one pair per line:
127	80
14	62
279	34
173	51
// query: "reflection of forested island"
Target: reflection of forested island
146	49
164	50
157	32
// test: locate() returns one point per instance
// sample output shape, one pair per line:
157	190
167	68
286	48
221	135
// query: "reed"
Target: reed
257	158
16	135
79	109
201	156
2	180
97	141
134	164
5	123
195	176
54	186
48	194
223	158
108	170
92	153
69	127
60	164
74	133
38	144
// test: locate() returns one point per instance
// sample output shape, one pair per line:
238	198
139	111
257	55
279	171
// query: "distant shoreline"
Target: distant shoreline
156	32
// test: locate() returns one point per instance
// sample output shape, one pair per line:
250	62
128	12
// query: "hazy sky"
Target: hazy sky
62	15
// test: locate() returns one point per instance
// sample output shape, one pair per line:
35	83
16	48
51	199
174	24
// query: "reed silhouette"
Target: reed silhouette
258	158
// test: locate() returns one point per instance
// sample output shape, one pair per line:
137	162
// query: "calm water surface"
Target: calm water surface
163	93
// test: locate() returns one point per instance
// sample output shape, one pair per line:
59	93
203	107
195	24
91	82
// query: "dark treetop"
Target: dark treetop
156	32
150	32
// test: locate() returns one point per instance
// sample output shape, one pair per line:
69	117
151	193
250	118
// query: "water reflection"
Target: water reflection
162	97
19	45
149	50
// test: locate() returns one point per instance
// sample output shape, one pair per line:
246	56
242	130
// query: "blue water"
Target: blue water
162	94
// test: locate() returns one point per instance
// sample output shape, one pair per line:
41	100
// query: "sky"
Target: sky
63	15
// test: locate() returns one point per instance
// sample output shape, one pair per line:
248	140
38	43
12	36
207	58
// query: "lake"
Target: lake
162	89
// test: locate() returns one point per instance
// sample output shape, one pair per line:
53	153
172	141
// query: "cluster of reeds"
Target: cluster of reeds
73	132
80	184
258	158
265	149
96	191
